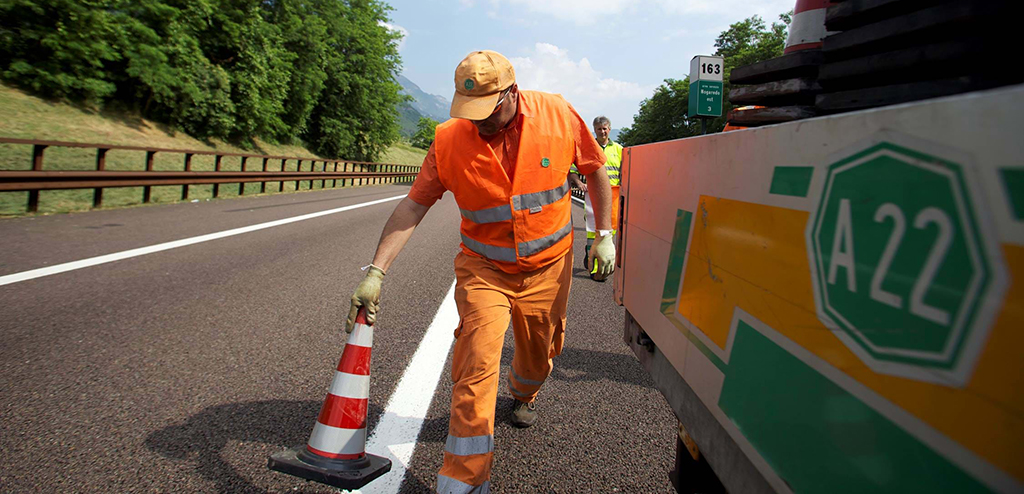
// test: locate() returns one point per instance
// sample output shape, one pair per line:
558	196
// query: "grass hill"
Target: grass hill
28	117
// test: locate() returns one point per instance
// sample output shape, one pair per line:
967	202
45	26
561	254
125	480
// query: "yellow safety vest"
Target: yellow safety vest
613	155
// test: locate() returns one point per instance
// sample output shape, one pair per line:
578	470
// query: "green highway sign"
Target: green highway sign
899	264
705	99
706	74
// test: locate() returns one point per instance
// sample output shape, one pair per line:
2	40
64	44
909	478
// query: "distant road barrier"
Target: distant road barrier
36	179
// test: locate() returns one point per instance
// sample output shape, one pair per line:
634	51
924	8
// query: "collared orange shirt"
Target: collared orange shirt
427	188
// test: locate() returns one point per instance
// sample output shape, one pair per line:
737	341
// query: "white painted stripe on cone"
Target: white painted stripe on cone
118	256
350	385
362	335
807	27
337	440
395	435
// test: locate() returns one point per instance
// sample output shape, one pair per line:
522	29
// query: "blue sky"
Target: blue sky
604	56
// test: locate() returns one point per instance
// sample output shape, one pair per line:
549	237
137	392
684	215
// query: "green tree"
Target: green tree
165	75
663	115
424	135
305	33
356	115
59	48
320	71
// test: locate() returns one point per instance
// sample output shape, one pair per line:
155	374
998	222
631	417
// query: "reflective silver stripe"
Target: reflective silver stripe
535	246
448	485
507	254
524	380
489	215
542	198
516	392
465	446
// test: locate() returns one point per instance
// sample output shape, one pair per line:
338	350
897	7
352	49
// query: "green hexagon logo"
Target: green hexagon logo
900	265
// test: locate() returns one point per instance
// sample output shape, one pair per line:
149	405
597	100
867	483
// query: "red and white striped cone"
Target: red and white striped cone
808	26
336	452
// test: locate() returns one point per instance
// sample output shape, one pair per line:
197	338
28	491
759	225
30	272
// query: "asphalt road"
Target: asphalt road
183	370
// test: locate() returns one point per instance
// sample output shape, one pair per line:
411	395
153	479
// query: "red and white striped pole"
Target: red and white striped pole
808	26
336	451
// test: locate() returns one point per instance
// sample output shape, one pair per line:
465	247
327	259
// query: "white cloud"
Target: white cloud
586	12
740	9
549	68
399	29
578	11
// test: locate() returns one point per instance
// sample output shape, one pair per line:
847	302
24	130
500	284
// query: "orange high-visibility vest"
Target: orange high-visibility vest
523	224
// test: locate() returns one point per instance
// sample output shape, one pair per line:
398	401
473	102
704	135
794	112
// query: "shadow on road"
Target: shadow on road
575	365
279	423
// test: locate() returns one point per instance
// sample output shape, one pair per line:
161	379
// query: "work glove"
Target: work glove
602	257
367	295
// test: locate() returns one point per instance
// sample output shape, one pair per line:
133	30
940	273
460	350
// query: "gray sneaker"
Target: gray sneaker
524	414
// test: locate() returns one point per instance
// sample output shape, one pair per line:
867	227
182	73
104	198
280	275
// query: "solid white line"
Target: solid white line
395	435
117	256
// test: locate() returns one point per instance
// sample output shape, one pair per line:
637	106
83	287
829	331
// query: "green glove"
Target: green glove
602	256
367	295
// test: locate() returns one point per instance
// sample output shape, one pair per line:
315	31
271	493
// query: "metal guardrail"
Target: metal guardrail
36	179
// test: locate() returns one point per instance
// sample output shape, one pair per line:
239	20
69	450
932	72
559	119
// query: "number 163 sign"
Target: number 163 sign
705	86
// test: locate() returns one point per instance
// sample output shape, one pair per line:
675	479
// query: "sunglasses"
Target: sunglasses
501	100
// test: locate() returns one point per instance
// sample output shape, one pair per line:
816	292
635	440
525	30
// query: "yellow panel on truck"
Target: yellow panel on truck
837	304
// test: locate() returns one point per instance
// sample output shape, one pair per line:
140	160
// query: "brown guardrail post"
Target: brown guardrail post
37	166
280	187
216	168
241	185
298	169
149	168
323	182
188	168
334	182
263	185
101	164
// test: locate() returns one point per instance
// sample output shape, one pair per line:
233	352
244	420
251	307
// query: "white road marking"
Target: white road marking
396	433
117	256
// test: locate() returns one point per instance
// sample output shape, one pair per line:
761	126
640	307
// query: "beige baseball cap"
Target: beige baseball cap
479	80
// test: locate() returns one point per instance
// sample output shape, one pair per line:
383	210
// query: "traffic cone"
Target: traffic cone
336	452
808	26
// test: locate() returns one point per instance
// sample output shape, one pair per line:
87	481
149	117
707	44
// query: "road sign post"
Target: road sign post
706	88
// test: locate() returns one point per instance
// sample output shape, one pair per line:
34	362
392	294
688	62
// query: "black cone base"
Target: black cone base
343	474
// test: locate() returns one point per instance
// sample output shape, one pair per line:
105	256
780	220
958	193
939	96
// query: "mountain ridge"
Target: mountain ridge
428	105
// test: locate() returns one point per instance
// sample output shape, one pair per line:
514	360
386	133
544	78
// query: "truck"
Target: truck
836	304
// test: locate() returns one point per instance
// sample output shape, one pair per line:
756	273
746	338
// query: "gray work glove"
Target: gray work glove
602	256
367	295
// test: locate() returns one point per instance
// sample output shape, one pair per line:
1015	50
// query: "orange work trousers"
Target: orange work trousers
487	298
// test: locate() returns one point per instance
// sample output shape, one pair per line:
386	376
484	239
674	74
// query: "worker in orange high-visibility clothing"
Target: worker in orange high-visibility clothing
505	155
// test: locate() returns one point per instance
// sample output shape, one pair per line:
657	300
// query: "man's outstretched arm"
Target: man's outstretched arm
406	216
397	230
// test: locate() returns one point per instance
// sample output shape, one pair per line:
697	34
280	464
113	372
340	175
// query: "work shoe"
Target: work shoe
586	257
524	414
